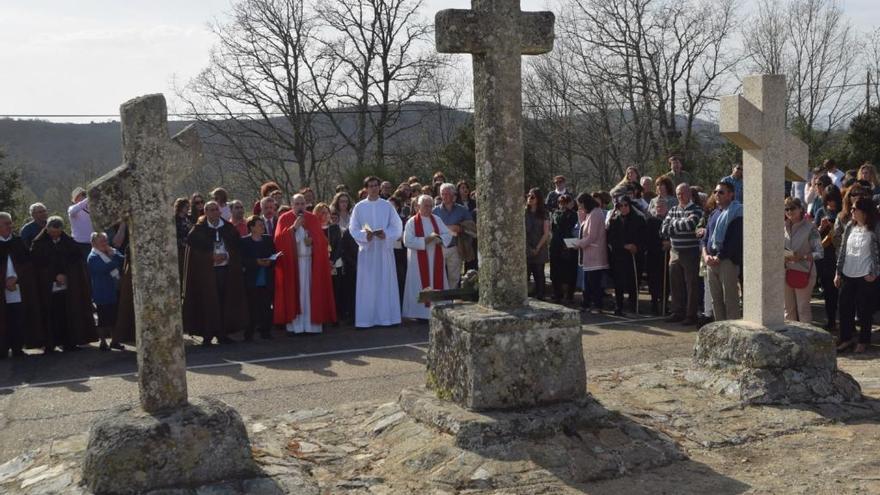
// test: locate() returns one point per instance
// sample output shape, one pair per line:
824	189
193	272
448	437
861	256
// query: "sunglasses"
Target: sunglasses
719	191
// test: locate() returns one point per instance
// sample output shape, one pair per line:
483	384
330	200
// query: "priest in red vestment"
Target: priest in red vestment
303	285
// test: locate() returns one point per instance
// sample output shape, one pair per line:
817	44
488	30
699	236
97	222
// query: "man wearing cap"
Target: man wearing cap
552	201
80	221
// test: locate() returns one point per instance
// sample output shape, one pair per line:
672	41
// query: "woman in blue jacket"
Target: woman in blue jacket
105	267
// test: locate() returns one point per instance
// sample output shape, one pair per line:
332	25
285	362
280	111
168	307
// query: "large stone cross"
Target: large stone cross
497	34
756	123
138	193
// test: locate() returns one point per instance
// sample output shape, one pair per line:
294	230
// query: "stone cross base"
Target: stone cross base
485	359
474	430
130	451
796	363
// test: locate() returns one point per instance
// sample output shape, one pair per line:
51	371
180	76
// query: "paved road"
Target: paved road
48	396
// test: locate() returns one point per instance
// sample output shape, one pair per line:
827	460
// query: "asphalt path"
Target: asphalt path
43	397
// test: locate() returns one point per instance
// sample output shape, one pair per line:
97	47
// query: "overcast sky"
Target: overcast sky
88	56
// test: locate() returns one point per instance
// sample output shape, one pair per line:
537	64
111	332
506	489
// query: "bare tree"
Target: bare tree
378	68
628	80
815	46
259	97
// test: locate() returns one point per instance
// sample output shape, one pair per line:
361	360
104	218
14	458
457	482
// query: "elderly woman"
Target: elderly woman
858	266
537	237
803	247
105	271
593	246
626	232
665	192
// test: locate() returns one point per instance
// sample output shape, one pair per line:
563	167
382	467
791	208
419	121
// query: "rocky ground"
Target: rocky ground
649	431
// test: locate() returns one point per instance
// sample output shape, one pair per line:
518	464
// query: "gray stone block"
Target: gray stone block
474	430
793	364
740	343
484	358
131	451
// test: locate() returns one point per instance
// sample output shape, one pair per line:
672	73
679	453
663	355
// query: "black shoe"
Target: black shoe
206	342
18	353
49	350
249	337
117	346
618	312
70	348
688	322
266	335
674	319
104	346
225	340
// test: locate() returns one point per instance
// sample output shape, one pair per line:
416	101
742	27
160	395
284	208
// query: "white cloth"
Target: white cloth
12	296
225	212
80	222
377	301
303	322
412	308
837	178
219	244
858	253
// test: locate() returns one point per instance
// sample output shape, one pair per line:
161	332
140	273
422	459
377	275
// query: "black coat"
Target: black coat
623	230
562	225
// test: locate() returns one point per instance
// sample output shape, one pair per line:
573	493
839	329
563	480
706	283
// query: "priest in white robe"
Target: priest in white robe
375	226
424	237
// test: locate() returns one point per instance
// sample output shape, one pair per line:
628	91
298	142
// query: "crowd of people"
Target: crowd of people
364	258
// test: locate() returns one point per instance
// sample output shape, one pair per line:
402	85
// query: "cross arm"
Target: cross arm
469	31
109	200
797	158
741	122
187	154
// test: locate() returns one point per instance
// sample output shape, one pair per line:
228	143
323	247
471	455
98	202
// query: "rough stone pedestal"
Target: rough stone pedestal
484	359
796	363
131	451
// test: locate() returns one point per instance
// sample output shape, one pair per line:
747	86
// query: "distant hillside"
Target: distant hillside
55	158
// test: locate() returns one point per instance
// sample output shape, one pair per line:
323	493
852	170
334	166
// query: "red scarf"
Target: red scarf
422	255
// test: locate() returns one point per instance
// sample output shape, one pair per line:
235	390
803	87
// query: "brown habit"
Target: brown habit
27	283
51	258
204	314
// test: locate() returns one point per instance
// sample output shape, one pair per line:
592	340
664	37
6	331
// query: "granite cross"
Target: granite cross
137	192
497	34
756	123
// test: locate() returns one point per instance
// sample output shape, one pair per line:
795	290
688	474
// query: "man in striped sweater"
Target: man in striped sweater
680	225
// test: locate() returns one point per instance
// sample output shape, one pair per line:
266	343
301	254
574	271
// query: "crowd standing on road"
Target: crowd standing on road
363	259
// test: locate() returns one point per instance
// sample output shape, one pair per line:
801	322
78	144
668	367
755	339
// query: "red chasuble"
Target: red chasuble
422	257
287	272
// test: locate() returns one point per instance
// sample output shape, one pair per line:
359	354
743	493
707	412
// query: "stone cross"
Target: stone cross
138	193
756	123
497	33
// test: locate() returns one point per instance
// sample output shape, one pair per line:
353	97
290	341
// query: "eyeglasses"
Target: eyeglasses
719	191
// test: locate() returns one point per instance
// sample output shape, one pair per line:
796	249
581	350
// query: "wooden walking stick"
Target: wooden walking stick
636	280
665	274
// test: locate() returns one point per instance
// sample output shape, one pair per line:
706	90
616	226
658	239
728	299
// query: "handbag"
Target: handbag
797	279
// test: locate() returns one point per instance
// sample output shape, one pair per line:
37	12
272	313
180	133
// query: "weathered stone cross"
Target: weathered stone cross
756	123
137	192
497	33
